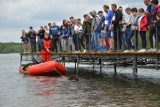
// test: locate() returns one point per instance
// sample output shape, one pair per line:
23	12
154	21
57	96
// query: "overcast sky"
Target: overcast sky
16	15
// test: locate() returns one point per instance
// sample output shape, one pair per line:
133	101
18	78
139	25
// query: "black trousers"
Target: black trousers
117	39
88	41
143	38
151	34
33	45
55	41
78	41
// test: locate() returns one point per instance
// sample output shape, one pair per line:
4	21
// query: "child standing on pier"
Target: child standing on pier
64	38
142	27
46	47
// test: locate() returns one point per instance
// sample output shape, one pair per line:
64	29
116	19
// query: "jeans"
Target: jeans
133	32
117	39
39	44
143	37
94	40
124	39
72	46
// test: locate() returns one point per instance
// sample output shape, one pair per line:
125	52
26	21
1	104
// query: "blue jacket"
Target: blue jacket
54	31
64	33
101	25
108	18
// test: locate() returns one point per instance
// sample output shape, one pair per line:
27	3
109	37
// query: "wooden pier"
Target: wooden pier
102	59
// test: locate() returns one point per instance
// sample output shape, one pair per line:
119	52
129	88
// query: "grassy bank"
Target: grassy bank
10	47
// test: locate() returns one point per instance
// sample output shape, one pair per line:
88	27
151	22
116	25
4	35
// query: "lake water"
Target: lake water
92	90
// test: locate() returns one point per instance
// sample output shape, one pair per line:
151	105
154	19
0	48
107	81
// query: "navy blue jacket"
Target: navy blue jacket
54	31
64	33
101	25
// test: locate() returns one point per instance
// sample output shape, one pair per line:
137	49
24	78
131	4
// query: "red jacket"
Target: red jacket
157	9
46	44
144	23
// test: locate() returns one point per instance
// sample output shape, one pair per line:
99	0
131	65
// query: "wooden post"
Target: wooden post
64	60
135	67
100	63
77	65
115	69
157	67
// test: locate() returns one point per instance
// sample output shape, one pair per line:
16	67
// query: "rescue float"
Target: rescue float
51	68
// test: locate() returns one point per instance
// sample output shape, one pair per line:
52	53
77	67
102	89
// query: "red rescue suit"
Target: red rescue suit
45	52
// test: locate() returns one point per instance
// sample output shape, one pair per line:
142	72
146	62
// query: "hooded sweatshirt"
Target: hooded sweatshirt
95	21
54	31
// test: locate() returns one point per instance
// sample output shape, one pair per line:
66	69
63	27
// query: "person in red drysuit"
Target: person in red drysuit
46	46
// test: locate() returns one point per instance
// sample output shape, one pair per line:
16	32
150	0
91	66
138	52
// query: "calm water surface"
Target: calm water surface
93	90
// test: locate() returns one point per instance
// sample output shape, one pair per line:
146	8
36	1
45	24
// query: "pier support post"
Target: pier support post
115	69
64	60
77	65
100	63
157	67
135	67
93	63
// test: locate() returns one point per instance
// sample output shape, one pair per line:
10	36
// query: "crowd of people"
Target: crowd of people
103	31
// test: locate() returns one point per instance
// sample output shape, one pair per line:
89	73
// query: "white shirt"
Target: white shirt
77	28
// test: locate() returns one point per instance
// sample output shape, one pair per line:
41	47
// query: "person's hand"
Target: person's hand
51	36
47	50
110	27
58	33
154	21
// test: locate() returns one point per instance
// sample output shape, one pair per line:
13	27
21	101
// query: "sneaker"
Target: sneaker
150	50
112	50
85	51
132	50
142	50
126	51
154	50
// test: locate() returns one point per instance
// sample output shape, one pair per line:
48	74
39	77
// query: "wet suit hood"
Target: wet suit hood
93	13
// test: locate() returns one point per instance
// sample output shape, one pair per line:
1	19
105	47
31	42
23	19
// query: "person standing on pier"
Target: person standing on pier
46	48
134	31
149	13
108	20
94	38
40	37
71	25
158	26
54	32
64	38
25	42
117	18
142	27
101	32
32	38
87	31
